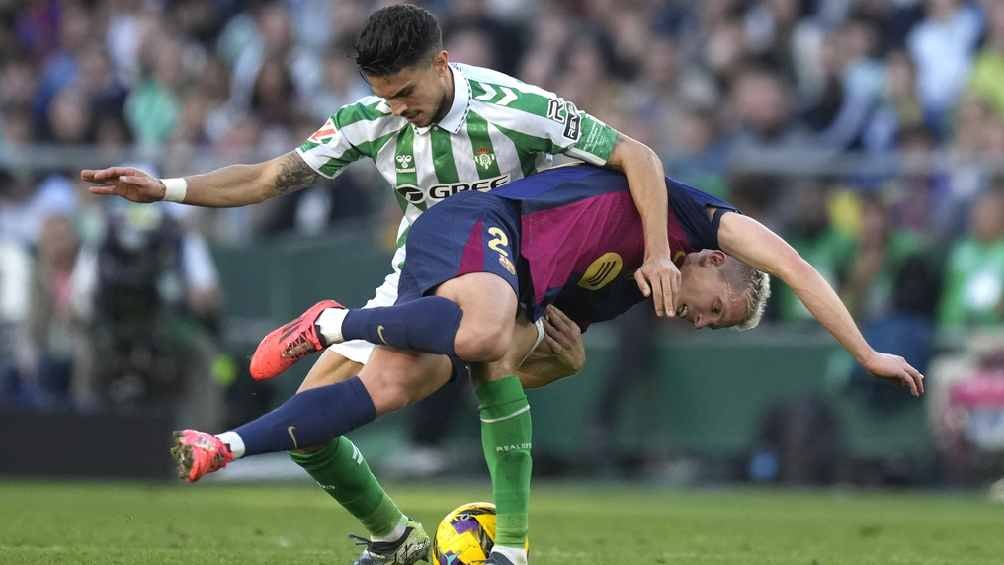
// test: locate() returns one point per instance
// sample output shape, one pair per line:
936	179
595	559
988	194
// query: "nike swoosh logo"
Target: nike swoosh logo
380	334
292	437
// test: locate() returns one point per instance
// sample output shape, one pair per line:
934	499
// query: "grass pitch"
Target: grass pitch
134	523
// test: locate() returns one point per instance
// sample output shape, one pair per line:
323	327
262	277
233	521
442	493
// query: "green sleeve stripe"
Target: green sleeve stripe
357	112
481	145
371	148
333	166
510	97
368	149
596	138
527	143
308	145
476	89
442	156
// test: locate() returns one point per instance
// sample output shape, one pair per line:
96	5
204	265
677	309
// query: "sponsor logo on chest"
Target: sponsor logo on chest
417	195
602	271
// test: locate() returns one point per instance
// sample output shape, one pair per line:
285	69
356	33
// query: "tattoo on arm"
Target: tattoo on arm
294	173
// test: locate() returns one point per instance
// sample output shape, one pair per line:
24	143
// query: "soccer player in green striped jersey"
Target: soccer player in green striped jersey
433	128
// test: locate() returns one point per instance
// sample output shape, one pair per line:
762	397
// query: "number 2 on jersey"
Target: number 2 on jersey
500	241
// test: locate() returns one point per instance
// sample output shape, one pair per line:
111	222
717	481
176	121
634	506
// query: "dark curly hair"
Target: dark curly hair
395	38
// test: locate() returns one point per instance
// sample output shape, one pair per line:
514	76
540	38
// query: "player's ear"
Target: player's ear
715	258
441	62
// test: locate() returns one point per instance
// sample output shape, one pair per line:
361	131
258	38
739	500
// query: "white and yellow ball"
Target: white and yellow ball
466	535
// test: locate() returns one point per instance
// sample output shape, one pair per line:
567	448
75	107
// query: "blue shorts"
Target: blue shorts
468	232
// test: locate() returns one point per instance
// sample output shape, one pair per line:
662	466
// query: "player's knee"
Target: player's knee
483	344
392	389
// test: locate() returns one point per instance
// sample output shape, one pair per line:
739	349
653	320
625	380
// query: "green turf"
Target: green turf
130	523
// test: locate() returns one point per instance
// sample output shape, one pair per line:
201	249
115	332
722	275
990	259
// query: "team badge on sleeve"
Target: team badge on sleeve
566	113
325	133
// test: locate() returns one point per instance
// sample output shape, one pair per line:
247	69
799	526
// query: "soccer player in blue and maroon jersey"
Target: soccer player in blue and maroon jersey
570	237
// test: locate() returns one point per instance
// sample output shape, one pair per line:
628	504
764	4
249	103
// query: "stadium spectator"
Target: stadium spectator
153	105
51	321
898	108
849	86
826	248
15	284
763	105
147	293
921	196
68	118
942	45
987	78
24	205
974	277
341	85
63	63
695	155
880	254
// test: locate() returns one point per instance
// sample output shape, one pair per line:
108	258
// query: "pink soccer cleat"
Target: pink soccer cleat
198	453
284	346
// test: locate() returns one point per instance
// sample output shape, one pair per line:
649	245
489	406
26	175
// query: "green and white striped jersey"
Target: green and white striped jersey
498	129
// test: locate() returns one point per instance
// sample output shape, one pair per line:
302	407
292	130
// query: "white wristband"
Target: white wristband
175	189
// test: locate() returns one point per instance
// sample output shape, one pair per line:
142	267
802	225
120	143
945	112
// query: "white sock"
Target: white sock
395	533
515	554
234	442
330	324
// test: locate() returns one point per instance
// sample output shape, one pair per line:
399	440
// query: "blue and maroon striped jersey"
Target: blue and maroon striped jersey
582	238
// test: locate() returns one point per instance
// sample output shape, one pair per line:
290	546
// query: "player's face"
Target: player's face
706	301
419	93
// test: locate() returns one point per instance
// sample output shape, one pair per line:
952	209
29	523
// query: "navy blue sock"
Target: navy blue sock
309	418
426	325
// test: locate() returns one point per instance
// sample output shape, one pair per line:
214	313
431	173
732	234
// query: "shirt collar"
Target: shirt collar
454	119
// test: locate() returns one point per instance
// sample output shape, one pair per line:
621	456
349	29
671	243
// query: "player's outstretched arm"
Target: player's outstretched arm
235	185
754	244
658	277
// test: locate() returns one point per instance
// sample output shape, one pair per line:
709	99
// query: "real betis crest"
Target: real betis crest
484	158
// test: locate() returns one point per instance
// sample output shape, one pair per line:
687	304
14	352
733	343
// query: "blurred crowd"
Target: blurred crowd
867	132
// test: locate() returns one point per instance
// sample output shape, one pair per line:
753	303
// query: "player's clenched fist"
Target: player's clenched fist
659	278
127	182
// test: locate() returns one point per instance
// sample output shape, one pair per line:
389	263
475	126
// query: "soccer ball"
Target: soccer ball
466	535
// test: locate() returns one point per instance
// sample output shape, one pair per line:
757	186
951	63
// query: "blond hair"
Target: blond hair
754	285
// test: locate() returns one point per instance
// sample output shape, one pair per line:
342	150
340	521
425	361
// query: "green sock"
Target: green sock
506	437
340	469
